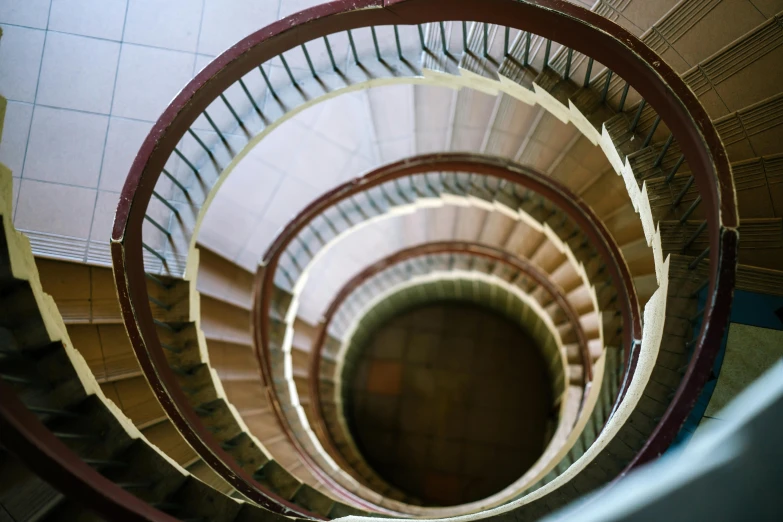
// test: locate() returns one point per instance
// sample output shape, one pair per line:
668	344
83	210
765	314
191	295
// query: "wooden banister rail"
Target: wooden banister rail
472	249
581	30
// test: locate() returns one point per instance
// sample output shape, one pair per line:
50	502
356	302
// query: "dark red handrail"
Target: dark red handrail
480	250
566	23
44	454
499	168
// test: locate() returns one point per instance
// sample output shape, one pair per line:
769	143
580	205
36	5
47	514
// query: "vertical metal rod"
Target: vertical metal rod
201	143
287	69
694	236
683	191
187	162
215	128
699	258
309	61
623	97
165	202
250	97
547	50
638	115
331	55
588	73
268	83
672	172
232	111
153	251
397	41
375	43
353	47
569	55
608	80
664	149
176	181
421	38
158	225
690	210
486	40
526	60
443	38
649	137
506	35
464	36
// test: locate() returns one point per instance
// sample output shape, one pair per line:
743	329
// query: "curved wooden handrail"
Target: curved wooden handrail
561	21
518	264
499	168
49	458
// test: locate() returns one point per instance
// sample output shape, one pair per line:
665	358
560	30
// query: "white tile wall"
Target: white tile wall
65	147
86	79
20	62
98	18
78	72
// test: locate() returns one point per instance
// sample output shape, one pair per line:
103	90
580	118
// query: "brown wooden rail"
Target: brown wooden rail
566	23
22	432
474	249
477	164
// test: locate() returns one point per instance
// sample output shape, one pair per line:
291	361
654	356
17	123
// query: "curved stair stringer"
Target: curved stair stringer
208	397
283	337
205	500
572	419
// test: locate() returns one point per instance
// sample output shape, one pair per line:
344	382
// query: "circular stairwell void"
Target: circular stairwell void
449	401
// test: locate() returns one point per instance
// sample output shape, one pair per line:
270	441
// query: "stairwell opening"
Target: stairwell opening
449	401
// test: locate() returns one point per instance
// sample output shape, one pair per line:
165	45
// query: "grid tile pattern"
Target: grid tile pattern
85	80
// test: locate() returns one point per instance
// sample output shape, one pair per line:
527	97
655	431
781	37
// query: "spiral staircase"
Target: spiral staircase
604	176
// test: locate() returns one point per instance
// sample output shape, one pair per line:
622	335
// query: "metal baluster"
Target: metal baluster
586	83
200	142
638	115
269	84
158	226
464	37
699	258
421	38
681	195
153	252
232	111
157	281
397	42
605	92
309	61
353	47
649	137
175	181
159	303
375	43
486	40
217	131
287	69
690	210
506	35
623	96
331	55
693	237
547	50
443	38
569	55
163	200
672	172
526	60
250	97
664	149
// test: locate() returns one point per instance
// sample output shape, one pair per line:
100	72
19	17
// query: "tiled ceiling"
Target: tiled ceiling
85	80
